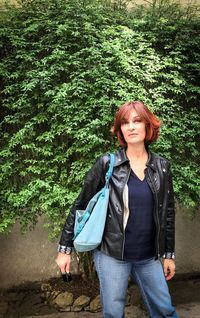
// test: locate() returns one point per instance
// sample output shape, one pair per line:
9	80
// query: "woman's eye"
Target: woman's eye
124	122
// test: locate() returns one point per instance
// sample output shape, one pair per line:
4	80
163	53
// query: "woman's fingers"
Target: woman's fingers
63	261
169	268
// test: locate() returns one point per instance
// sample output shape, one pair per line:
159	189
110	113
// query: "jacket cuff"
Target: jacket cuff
64	249
169	255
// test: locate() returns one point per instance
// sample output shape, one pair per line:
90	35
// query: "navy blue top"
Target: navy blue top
140	229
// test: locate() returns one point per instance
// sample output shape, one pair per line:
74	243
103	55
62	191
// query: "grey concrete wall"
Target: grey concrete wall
28	257
31	257
187	242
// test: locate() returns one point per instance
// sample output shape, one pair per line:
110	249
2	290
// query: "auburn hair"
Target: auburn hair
151	121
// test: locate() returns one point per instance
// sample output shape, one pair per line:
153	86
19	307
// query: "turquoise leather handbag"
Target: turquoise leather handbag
90	223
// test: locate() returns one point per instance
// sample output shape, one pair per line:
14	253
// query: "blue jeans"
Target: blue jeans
148	274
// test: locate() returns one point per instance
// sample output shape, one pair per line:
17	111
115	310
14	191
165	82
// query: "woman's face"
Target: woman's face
133	129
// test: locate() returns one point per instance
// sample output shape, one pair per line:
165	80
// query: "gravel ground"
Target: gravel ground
19	303
191	310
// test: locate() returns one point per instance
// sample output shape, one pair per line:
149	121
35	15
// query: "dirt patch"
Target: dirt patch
77	286
26	299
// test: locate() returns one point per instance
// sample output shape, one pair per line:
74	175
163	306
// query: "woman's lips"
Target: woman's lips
132	135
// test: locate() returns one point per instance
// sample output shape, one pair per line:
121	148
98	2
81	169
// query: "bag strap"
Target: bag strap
110	169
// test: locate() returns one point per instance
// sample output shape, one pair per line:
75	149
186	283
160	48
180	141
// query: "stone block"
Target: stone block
80	303
95	304
63	300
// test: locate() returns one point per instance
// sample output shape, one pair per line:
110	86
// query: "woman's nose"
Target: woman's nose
131	126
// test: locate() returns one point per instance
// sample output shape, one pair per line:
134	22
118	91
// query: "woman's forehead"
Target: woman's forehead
131	114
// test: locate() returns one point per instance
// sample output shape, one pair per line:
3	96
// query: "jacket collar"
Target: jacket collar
121	157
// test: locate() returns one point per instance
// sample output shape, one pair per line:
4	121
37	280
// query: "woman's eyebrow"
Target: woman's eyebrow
135	117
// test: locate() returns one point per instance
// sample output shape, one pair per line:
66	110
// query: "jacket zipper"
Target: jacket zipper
156	210
123	214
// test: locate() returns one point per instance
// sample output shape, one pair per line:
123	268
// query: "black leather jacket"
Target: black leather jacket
159	179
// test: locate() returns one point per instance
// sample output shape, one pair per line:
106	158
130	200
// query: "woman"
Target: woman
140	220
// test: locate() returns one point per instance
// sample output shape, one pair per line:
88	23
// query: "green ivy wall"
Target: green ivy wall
65	68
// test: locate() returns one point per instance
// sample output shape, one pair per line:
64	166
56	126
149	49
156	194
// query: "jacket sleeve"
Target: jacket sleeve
93	182
170	224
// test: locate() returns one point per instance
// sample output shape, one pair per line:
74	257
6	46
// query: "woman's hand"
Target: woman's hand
169	268
63	261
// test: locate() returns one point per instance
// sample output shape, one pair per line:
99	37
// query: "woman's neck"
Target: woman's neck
138	158
136	152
